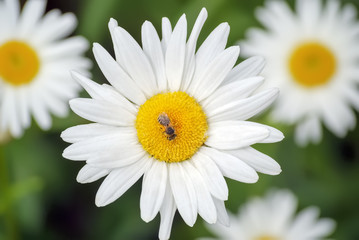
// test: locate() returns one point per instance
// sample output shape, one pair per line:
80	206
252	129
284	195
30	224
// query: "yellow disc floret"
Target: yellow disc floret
312	64
19	63
171	126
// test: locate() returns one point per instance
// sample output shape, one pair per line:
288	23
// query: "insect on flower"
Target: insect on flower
165	121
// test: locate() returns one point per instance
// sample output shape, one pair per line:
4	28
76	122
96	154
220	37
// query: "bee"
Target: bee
165	121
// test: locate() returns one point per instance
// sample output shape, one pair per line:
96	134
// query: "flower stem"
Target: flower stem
5	191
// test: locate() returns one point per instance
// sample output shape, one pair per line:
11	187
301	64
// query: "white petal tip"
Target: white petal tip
146	219
100	203
112	23
63	135
203	14
72	102
252	179
95	45
65	154
277	172
76	75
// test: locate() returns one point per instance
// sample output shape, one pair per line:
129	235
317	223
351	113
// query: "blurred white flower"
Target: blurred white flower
175	116
273	218
35	63
312	57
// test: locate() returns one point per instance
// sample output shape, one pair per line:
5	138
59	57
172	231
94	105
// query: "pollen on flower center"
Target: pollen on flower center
19	63
171	126
312	64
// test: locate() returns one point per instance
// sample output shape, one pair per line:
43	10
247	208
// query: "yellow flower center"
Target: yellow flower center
266	237
19	63
171	126
312	64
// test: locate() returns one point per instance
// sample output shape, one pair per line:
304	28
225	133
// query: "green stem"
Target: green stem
5	192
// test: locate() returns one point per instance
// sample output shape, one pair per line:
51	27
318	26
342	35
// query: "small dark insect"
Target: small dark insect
165	121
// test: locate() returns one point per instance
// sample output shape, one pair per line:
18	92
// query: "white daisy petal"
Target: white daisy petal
321	228
308	11
206	207
153	190
71	46
55	28
231	166
38	109
221	212
353	96
183	192
349	13
228	135
12	8
248	68
285	211
89	174
119	157
103	92
275	16
10	119
49	19
213	75
280	11
166	33
106	151
274	134
175	54
244	108
82	132
314	229
117	76
257	160
112	25
231	92
308	130
54	104
334	119
151	45
92	88
119	181
211	47
211	175
102	112
189	66
134	61
31	14
24	112
167	212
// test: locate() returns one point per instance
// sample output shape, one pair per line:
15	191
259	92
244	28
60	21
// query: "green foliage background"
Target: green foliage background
40	198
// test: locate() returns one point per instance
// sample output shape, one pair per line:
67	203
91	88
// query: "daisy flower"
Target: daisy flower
176	116
312	57
34	64
273	218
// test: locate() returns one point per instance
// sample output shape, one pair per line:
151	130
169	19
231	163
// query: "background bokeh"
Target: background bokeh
44	201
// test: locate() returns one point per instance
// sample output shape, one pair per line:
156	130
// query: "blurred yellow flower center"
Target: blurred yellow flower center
312	64
19	63
266	237
171	126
